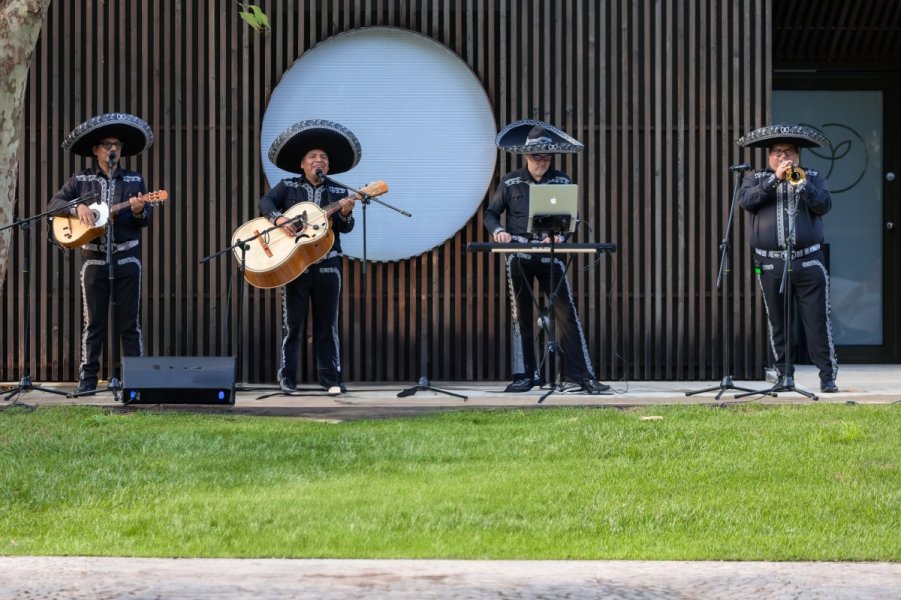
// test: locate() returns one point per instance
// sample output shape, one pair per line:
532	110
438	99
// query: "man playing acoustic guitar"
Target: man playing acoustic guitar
312	149
107	138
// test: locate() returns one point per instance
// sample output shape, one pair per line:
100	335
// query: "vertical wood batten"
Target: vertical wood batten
656	91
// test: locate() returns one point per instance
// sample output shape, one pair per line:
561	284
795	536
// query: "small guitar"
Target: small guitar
275	258
72	233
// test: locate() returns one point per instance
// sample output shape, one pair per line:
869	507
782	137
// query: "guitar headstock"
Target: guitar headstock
376	188
156	197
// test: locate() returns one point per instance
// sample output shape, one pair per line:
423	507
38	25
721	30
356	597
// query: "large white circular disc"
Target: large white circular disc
423	120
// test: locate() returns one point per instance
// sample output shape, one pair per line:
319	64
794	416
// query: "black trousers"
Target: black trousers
318	288
522	271
810	285
95	291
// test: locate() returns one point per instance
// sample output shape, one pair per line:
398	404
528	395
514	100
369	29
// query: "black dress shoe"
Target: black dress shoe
86	387
519	385
287	386
593	386
827	386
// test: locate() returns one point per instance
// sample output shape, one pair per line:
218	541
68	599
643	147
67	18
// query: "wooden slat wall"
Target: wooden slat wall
657	91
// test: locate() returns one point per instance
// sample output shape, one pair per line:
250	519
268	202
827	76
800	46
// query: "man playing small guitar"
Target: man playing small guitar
312	149
107	138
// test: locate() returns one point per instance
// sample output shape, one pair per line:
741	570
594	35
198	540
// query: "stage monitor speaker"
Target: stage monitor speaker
178	379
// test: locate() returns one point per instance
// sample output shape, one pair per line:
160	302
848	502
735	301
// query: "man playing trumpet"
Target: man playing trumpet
786	206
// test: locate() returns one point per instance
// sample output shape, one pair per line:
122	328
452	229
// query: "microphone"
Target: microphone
320	174
741	167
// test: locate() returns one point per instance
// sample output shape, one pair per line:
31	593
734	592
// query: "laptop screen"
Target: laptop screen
553	208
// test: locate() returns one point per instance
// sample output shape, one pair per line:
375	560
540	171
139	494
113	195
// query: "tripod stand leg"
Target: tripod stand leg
547	393
725	384
424	386
787	384
25	386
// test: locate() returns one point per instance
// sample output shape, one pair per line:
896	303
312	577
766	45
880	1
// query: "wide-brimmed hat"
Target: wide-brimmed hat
135	135
799	135
339	142
530	136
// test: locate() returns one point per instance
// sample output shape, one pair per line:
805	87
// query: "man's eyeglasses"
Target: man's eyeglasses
780	152
540	156
111	145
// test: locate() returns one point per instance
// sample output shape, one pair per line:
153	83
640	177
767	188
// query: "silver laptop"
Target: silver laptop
553	208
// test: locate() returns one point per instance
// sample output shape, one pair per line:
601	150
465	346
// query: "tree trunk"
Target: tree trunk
20	26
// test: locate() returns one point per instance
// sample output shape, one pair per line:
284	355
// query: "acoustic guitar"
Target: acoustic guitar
72	233
276	258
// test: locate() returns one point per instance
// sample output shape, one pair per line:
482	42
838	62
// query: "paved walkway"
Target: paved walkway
80	577
137	578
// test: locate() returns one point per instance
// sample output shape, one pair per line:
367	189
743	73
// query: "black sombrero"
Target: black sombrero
799	135
135	135
339	142
530	136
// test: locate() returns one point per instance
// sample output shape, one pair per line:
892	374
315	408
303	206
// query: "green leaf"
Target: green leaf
262	19
250	19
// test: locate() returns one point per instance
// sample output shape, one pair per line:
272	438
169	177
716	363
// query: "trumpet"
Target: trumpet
795	175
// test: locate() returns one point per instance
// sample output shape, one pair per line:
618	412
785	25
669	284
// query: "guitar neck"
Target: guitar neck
331	208
120	205
376	188
149	198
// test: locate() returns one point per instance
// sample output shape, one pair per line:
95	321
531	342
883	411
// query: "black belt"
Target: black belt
781	253
116	247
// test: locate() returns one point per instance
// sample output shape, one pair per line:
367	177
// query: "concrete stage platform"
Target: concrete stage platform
861	384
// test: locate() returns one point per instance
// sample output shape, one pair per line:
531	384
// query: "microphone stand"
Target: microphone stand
112	352
241	245
726	382
25	384
423	384
786	383
364	199
551	347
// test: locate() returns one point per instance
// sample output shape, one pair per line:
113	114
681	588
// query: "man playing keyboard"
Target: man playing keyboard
537	141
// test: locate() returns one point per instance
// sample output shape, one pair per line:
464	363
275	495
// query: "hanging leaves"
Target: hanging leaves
254	16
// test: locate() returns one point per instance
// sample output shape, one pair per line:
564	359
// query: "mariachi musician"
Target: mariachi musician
785	206
107	138
537	142
313	149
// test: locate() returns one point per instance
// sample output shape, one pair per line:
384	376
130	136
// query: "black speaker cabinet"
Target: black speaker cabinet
178	379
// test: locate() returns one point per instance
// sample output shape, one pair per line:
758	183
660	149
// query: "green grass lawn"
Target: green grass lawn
813	482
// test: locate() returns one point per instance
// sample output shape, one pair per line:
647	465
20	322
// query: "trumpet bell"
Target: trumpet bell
796	176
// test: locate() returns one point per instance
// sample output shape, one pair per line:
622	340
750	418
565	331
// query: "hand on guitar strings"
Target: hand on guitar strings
85	215
288	225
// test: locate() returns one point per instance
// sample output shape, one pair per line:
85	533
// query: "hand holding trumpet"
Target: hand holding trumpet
783	166
788	171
